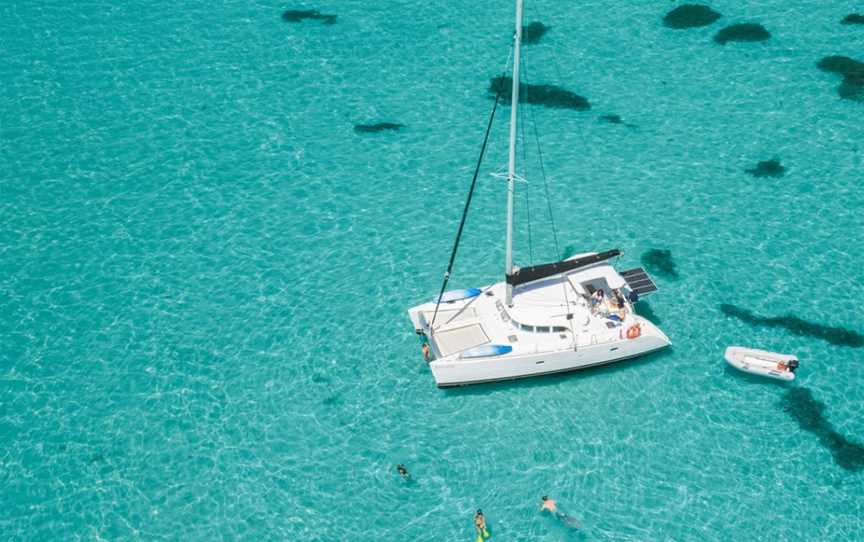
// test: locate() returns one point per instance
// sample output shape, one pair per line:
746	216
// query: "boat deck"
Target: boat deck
546	316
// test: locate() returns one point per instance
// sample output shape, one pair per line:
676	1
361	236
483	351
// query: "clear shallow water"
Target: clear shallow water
205	271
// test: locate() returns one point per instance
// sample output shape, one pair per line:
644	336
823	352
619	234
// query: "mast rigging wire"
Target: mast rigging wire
465	211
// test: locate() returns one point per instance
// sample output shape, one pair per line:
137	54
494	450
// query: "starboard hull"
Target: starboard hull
450	373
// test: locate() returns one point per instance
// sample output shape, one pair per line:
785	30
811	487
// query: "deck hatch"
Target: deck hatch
459	339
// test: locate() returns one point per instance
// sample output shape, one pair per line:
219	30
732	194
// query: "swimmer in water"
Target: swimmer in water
403	472
480	525
552	507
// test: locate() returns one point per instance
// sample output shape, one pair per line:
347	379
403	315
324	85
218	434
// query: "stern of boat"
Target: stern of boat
651	335
417	320
421	328
457	328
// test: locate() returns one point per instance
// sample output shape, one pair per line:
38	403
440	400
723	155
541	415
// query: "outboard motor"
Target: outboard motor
792	364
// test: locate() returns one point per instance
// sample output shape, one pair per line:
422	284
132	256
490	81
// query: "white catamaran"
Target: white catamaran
541	319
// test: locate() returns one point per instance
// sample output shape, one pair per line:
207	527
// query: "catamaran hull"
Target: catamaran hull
462	372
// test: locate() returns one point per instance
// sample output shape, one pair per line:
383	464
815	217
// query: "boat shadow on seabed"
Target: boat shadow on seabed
809	413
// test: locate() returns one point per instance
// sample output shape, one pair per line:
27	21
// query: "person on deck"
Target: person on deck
597	300
622	306
598	296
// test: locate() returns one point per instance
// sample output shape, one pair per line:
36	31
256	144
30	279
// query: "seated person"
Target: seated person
620	304
597	300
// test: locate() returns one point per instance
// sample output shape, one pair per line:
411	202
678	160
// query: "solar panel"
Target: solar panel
639	281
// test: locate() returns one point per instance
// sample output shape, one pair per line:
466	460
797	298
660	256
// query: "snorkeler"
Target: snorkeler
480	525
403	472
552	507
548	504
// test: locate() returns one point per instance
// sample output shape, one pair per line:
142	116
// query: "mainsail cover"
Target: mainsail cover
543	270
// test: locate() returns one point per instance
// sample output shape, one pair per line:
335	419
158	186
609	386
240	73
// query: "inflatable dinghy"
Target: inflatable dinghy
762	362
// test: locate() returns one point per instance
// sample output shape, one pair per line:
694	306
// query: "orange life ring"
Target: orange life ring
634	331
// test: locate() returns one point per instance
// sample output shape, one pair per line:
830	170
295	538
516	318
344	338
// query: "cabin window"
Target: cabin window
527	328
559	329
542	329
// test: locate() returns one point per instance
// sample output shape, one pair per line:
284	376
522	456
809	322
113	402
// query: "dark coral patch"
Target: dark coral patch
332	400
809	413
742	32
615	119
853	18
834	335
852	87
690	16
842	65
320	379
660	261
532	33
545	95
380	127
767	168
300	15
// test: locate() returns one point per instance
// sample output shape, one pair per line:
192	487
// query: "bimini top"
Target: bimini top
543	270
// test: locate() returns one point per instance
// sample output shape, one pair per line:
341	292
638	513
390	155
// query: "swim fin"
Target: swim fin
571	522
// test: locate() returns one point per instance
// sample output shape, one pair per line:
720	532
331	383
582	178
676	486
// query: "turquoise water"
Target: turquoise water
205	271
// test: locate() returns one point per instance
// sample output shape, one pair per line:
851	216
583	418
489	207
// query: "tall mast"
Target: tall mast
511	169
